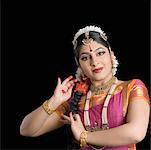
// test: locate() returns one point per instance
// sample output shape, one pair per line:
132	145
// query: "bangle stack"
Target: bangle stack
47	108
83	138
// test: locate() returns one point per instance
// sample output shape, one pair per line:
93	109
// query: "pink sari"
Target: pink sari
124	94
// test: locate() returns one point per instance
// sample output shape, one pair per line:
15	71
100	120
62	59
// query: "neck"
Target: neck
102	82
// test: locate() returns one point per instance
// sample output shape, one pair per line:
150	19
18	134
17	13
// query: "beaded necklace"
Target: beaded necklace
104	110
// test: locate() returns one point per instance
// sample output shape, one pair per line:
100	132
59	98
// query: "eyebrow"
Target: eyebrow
94	51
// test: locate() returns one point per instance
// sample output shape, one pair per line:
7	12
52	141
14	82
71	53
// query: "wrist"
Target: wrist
83	138
54	102
48	109
50	105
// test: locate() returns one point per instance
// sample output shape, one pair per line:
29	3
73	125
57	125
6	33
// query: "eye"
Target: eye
100	53
84	58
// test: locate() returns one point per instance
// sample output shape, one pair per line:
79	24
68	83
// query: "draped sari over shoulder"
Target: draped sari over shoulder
124	94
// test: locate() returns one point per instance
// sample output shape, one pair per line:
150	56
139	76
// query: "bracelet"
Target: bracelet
83	138
47	108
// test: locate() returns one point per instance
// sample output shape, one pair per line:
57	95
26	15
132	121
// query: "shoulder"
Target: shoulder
132	83
136	89
127	86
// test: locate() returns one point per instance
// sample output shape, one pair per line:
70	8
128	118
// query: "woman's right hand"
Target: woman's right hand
63	89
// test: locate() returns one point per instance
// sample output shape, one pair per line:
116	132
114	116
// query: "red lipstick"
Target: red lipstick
97	70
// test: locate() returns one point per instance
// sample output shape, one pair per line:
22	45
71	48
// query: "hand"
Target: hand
63	90
76	125
65	119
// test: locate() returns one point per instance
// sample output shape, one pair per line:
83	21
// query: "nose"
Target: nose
94	61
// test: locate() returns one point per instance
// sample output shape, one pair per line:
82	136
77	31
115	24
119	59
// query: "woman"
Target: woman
102	111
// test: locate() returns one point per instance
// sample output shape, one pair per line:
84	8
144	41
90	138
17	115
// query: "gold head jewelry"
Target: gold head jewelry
104	36
87	39
88	29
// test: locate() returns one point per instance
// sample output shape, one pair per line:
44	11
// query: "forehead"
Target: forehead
92	47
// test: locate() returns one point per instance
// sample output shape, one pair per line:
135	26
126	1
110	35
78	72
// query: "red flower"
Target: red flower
82	87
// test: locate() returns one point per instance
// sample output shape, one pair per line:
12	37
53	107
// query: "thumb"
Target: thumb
58	82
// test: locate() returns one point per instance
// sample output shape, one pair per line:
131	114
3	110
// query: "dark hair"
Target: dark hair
95	36
74	102
80	89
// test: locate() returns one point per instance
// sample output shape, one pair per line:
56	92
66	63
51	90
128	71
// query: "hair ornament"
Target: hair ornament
87	29
115	63
87	39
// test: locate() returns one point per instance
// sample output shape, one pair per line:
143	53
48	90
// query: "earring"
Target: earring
114	63
80	76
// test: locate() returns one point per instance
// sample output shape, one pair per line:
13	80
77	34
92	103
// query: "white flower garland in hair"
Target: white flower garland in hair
114	63
88	29
80	75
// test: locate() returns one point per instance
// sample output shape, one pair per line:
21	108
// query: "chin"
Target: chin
98	77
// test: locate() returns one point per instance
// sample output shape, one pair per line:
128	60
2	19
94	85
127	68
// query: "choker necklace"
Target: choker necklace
100	89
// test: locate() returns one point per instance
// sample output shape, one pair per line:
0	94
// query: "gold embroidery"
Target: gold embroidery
139	91
125	95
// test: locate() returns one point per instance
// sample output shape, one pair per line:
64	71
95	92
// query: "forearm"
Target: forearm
35	120
119	136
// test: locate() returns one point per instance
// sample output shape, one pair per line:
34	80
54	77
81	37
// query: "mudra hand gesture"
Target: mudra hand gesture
63	90
76	124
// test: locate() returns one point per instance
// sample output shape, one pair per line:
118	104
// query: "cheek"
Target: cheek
108	61
85	67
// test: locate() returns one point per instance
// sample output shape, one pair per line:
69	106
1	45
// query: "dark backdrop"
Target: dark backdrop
37	48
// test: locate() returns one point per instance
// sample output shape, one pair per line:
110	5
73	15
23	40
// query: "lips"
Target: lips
97	70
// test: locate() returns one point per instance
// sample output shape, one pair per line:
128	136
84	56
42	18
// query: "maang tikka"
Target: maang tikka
87	39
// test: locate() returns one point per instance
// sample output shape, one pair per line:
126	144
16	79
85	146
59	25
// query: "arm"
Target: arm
132	132
38	121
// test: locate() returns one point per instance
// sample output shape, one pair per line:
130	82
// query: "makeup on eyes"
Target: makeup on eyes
86	55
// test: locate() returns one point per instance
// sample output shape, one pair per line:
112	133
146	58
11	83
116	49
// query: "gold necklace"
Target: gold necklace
104	112
101	88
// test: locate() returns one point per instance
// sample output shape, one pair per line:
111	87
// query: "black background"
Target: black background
37	48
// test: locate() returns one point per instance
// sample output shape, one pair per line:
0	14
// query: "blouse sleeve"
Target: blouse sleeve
138	91
63	108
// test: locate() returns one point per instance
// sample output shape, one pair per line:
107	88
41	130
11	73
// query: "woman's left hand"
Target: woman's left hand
76	124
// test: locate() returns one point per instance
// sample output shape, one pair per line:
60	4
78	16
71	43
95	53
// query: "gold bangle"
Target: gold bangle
47	108
83	138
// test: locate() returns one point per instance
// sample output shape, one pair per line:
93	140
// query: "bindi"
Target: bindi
90	48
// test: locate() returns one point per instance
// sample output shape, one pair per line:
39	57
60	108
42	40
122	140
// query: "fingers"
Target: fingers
68	84
77	117
71	118
67	80
65	119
